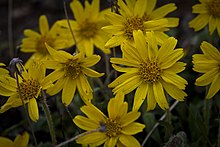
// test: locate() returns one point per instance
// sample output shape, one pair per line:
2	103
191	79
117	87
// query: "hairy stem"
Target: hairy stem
49	118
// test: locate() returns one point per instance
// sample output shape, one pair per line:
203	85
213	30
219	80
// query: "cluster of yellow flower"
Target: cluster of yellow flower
150	64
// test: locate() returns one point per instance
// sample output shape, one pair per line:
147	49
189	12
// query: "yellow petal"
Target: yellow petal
159	95
77	10
174	79
214	88
119	80
114	41
140	96
163	11
212	24
140	7
199	22
166	48
57	87
68	92
33	109
150	6
31	33
207	78
86	123
129	85
154	25
5	142
44	27
90	60
124	8
115	19
93	113
132	128
91	73
128	140
92	138
22	140
210	51
12	102
129	118
174	91
151	102
140	44
199	8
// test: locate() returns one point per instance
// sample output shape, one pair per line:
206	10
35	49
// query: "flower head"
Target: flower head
208	13
31	83
116	129
150	70
139	15
87	26
209	64
34	42
20	141
70	74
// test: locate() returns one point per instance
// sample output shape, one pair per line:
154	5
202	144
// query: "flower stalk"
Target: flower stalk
48	117
14	65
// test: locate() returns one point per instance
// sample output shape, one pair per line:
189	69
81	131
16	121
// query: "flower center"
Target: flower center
113	128
150	71
214	8
41	44
29	89
133	23
72	68
88	29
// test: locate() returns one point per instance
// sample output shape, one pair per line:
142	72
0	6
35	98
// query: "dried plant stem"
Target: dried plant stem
10	31
157	124
49	118
25	109
68	22
76	137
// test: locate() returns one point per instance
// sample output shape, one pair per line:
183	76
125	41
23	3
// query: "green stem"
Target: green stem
25	109
49	118
168	117
206	116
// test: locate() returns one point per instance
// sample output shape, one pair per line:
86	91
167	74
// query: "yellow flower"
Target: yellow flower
209	64
87	26
139	15
31	83
20	141
150	70
117	129
3	71
34	42
208	13
70	74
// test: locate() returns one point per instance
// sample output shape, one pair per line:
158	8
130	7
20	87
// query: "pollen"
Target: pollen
150	71
41	48
214	8
29	88
113	127
133	23
72	68
88	29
